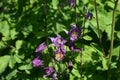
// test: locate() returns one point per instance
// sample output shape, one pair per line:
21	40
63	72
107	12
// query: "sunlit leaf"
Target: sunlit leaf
87	37
4	60
55	3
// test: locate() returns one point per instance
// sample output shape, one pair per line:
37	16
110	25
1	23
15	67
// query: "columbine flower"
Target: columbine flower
54	76
37	62
59	54
48	71
58	41
71	3
74	33
73	48
70	66
88	16
41	47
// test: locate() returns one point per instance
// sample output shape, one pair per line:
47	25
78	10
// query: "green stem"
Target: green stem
118	66
112	38
99	36
76	15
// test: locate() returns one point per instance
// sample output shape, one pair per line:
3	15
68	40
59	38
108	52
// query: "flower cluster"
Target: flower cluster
39	63
59	52
59	43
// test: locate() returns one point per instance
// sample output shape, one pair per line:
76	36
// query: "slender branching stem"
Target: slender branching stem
99	36
112	38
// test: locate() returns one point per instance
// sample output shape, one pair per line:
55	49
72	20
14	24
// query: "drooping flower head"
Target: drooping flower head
58	41
48	71
59	54
37	62
70	65
74	33
54	76
73	48
88	16
71	3
41	47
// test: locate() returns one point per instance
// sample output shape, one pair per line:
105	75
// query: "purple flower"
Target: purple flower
71	3
88	16
73	48
59	54
74	33
70	66
48	71
58	41
54	76
37	62
41	47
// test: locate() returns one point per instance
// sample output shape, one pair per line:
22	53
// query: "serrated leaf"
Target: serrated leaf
76	73
17	59
4	60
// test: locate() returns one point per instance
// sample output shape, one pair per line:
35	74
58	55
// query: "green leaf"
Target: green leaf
4	60
98	49
94	28
118	34
13	33
25	67
11	74
27	30
104	63
12	62
55	3
87	37
58	28
5	29
17	58
18	44
110	4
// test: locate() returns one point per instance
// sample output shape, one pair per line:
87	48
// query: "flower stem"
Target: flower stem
45	21
99	36
77	19
112	38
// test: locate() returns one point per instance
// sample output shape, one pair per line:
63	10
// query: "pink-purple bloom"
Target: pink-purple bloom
74	33
73	48
70	66
48	71
59	54
71	3
41	47
58	41
54	77
88	16
37	62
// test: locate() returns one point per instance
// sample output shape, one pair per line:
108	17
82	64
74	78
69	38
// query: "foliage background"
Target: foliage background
22	29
